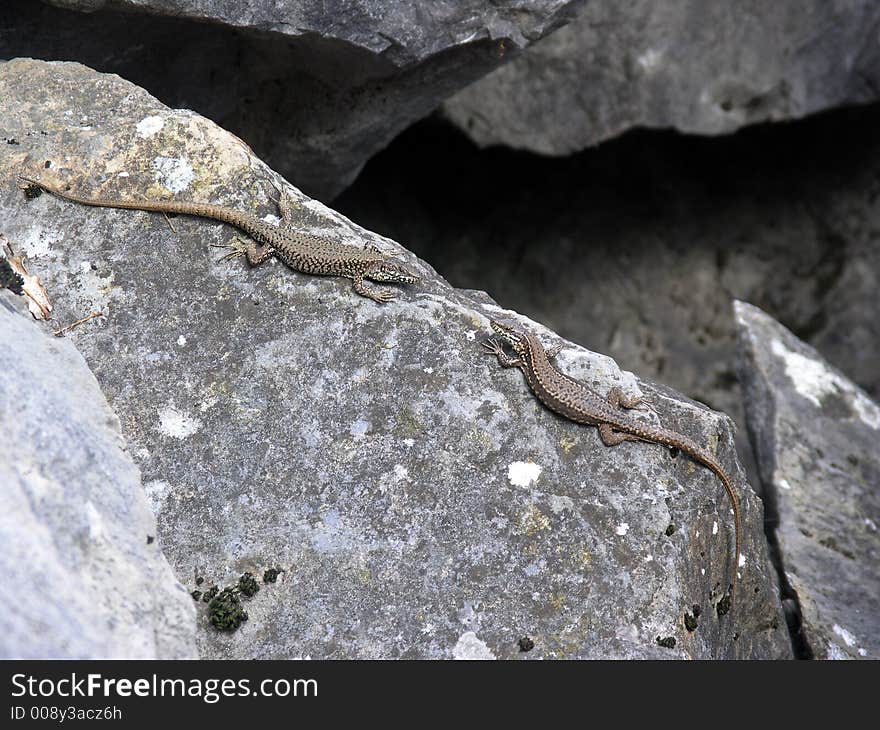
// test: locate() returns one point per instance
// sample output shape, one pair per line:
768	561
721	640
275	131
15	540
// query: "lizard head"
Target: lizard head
390	271
517	340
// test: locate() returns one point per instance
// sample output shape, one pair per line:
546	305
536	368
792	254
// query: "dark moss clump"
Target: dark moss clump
667	643
225	612
690	622
271	575
670	530
9	279
210	593
247	585
199	581
526	644
723	605
196	595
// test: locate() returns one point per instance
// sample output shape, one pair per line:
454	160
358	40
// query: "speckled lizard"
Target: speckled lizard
577	402
301	251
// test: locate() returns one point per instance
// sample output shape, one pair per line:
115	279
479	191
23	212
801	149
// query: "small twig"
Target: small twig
78	322
168	221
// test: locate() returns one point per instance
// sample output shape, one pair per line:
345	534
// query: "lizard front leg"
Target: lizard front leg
494	347
376	294
618	399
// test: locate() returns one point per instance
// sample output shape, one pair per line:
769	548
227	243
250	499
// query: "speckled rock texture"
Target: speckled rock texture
316	87
83	573
418	499
696	66
817	438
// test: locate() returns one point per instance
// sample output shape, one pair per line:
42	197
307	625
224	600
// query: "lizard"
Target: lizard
305	252
577	402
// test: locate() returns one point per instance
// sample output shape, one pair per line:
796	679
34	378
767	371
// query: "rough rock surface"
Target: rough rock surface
316	87
418	499
637	248
83	573
702	67
816	435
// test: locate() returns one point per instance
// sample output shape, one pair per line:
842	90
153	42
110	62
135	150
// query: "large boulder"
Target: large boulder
816	436
699	67
389	489
83	571
315	87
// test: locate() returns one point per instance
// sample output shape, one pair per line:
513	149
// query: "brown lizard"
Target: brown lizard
575	401
303	252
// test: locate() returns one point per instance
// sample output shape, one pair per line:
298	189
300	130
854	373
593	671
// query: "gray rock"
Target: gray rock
700	67
315	87
637	248
418	499
816	435
83	573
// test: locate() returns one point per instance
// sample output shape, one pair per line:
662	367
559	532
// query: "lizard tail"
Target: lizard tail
203	210
698	453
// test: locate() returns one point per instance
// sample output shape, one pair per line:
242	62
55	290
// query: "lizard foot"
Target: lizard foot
237	246
492	347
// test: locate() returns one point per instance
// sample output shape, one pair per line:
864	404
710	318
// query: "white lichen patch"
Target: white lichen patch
469	646
97	532
181	341
401	473
471	335
742	561
156	492
173	173
649	61
560	503
814	380
38	242
622	529
523	473
714	528
847	636
359	428
177	424
148	126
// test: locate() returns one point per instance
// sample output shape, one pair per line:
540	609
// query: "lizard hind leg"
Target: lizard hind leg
610	437
256	253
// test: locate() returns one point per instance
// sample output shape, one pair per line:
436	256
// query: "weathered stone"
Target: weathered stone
83	573
316	87
816	436
696	66
418	499
637	248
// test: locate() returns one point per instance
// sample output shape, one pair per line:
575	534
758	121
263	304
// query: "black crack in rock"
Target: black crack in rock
667	643
247	585
670	530
526	644
271	575
225	611
32	191
723	605
196	595
210	593
9	279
